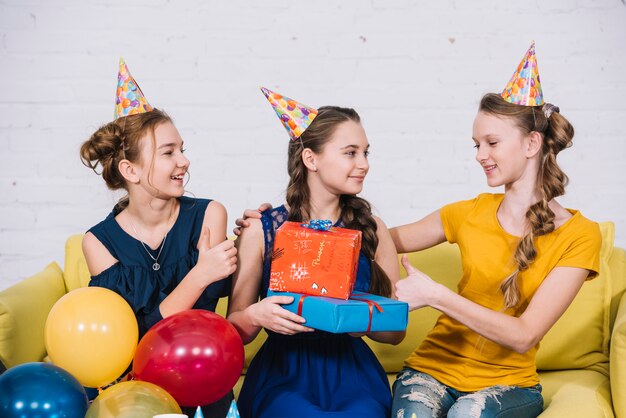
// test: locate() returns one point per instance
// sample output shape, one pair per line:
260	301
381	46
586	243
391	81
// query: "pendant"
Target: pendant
156	266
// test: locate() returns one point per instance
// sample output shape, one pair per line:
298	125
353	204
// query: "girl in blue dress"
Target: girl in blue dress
161	251
300	372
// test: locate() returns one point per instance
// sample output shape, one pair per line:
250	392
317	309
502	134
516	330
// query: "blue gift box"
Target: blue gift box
357	314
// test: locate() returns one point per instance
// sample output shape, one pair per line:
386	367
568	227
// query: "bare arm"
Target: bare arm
387	259
97	256
516	333
245	312
425	233
216	261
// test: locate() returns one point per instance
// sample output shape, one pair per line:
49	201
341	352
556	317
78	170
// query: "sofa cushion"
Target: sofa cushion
617	266
24	308
580	338
75	270
618	348
576	393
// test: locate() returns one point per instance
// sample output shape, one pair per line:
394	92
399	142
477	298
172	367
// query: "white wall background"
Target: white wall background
415	70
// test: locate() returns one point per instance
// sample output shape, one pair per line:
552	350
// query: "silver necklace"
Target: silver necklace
156	266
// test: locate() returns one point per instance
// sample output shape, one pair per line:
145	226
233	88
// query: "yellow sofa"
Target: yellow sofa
582	360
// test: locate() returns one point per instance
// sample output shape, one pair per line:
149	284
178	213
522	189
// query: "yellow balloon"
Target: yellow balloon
92	333
134	399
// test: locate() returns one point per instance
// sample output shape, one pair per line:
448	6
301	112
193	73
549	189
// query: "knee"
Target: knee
468	408
416	405
415	395
490	402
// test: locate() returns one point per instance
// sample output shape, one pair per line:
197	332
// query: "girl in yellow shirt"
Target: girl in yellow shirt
524	258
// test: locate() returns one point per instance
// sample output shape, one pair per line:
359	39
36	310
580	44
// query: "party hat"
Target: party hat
294	116
524	88
233	412
129	97
198	413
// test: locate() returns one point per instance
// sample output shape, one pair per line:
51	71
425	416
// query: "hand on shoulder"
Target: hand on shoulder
249	214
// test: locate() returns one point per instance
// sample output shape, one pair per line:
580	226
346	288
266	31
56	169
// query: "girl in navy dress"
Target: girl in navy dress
300	372
161	251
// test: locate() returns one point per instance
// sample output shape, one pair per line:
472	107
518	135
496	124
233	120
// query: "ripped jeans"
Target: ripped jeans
419	395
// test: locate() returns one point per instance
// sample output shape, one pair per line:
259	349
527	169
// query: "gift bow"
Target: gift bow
319	224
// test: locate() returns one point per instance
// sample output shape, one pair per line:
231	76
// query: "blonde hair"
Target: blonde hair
557	134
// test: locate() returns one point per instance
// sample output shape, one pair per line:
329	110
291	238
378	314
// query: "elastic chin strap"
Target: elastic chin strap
124	139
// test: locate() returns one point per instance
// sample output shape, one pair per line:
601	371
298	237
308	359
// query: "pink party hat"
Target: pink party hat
294	116
129	97
524	88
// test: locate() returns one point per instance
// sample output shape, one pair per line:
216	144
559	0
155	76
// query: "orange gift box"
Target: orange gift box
311	262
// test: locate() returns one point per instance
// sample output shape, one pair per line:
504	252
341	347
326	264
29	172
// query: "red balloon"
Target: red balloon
196	356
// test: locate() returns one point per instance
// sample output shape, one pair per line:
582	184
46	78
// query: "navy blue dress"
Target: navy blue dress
314	374
133	278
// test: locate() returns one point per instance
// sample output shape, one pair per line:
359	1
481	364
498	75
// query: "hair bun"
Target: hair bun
107	141
103	146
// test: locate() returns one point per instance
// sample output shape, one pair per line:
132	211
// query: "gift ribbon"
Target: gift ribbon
319	224
370	303
300	305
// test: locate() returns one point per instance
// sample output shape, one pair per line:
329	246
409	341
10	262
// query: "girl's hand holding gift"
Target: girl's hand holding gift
269	313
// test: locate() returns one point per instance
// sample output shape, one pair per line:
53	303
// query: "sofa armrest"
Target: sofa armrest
24	308
618	360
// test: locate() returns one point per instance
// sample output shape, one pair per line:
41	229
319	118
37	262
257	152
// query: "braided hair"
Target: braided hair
356	212
557	135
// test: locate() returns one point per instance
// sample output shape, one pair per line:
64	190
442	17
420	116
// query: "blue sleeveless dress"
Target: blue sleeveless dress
133	278
316	374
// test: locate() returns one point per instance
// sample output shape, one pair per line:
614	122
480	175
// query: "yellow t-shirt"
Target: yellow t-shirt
459	357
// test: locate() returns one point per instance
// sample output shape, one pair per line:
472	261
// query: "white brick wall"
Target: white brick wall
415	70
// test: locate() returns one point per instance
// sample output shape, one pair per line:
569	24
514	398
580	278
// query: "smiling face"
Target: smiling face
162	164
342	163
503	150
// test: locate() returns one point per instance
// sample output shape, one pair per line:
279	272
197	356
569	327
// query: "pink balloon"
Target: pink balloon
196	356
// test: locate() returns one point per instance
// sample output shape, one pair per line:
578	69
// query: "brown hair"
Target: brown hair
116	141
356	213
557	135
